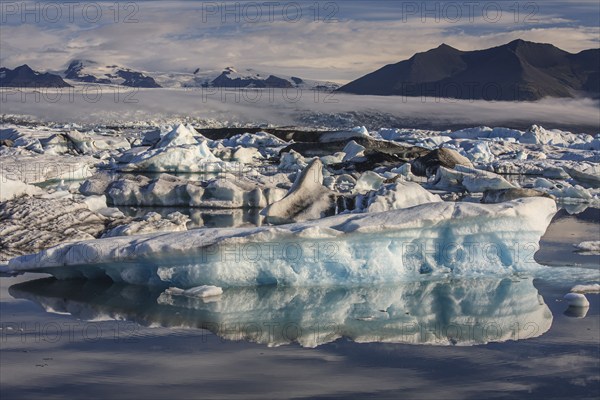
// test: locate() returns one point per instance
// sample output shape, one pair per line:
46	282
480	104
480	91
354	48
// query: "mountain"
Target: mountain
518	70
230	77
24	76
93	72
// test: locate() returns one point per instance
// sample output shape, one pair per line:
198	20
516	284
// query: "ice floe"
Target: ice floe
591	288
435	238
576	300
591	247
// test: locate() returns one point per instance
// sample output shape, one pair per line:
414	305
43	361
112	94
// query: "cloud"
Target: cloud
181	36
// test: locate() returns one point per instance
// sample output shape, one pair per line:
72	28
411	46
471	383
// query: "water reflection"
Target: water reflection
459	312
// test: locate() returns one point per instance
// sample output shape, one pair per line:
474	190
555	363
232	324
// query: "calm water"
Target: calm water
477	338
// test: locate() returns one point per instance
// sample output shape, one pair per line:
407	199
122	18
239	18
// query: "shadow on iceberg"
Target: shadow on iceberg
452	312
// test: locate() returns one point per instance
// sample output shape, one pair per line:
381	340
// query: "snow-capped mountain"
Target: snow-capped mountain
96	72
251	78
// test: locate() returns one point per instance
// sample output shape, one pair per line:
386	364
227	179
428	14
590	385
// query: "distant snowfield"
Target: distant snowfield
107	104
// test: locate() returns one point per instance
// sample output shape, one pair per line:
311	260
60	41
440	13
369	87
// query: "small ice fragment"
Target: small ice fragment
576	300
174	291
593	288
589	247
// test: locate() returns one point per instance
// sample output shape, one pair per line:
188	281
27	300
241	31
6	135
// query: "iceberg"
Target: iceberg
178	136
444	313
576	300
184	158
394	196
471	179
307	198
182	149
442	238
227	191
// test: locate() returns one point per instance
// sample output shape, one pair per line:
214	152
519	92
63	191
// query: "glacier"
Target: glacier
441	238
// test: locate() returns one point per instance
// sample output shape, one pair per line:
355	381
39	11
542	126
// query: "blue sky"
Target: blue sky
333	40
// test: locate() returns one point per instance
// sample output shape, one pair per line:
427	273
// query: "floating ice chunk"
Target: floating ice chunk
501	195
428	164
521	155
473	180
353	150
246	155
227	191
542	183
95	203
538	135
486	132
186	158
10	188
368	181
178	136
333	158
400	195
256	140
342	183
567	192
404	170
576	300
96	185
151	223
481	153
592	288
199	291
589	247
292	160
307	199
86	143
585	172
359	131
348	249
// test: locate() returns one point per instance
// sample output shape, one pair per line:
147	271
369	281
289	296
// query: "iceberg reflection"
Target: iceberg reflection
452	312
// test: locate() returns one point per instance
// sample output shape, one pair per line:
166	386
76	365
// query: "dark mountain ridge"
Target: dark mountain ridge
518	70
24	76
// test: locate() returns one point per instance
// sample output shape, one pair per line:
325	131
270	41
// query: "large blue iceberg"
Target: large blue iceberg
352	249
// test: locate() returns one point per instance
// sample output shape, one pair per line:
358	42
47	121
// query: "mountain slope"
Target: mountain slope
24	76
92	72
518	70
